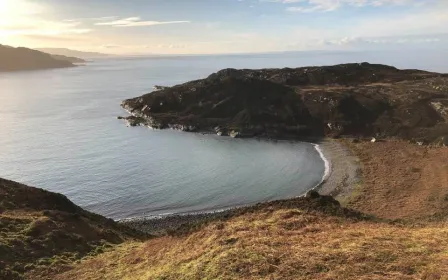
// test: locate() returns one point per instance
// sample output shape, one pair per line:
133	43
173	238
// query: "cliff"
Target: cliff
18	59
361	100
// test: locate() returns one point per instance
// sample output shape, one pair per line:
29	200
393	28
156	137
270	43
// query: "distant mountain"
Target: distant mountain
17	59
72	53
68	58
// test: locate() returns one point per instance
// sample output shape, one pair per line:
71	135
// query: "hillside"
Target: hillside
19	59
40	230
361	99
72	53
68	58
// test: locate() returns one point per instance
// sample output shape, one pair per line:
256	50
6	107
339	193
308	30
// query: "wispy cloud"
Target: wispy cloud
136	21
27	18
308	6
41	27
382	40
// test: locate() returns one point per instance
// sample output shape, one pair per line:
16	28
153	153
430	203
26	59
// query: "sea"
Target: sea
59	131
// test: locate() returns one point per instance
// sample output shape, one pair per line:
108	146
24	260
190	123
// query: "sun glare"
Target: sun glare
12	8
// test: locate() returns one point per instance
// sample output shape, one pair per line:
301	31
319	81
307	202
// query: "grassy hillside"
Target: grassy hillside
277	242
42	231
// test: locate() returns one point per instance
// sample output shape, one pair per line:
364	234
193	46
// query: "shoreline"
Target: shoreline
339	179
344	174
327	164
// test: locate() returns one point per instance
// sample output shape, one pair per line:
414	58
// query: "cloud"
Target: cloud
308	6
110	46
382	40
29	27
136	21
63	38
27	18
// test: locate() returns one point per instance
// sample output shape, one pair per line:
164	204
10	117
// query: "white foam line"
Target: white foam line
327	163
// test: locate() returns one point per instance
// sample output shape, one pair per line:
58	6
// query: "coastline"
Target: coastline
339	180
344	170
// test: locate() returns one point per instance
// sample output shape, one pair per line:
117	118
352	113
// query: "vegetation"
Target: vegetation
40	231
357	99
281	243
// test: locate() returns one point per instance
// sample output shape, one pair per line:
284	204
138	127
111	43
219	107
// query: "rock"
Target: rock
373	140
312	194
157	88
234	134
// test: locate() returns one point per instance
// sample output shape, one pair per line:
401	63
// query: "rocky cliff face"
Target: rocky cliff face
361	99
17	59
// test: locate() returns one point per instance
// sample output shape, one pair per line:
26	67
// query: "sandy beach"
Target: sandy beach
344	170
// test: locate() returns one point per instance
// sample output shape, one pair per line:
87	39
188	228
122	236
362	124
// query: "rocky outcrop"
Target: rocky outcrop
18	59
360	99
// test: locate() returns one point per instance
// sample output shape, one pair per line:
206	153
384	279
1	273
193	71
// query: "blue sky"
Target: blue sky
224	26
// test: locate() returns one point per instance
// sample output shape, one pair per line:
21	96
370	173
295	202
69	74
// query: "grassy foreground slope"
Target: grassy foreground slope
44	231
281	243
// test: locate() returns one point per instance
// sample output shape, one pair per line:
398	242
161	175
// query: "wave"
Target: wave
327	163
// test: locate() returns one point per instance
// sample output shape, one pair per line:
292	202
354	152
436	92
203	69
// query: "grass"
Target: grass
281	244
42	231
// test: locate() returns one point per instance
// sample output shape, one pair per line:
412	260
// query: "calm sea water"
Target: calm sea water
59	132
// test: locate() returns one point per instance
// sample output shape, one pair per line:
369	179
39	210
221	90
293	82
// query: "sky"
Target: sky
223	26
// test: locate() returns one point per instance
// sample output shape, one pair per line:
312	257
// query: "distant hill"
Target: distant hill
17	59
72	53
68	58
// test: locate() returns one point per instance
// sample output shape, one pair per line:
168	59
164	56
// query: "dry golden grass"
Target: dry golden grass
281	244
42	231
401	180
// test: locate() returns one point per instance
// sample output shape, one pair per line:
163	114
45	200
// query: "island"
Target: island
357	99
20	59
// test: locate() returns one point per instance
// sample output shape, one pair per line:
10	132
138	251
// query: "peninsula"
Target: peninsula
356	100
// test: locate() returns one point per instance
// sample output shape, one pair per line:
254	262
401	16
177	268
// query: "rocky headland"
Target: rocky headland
354	100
